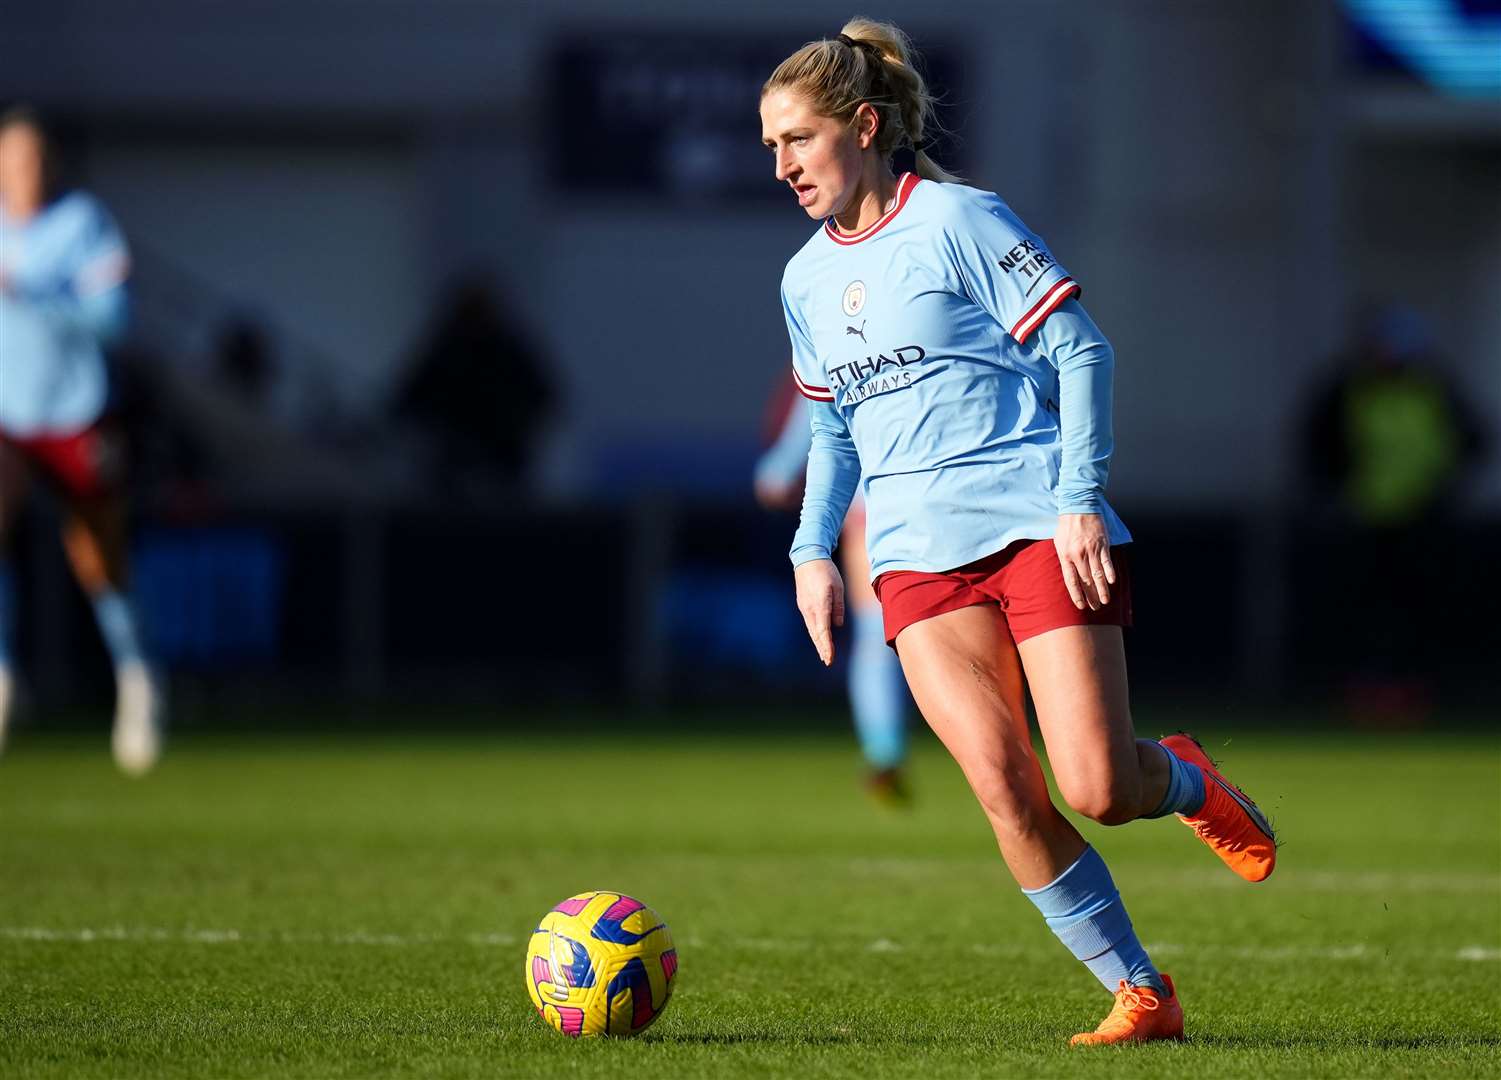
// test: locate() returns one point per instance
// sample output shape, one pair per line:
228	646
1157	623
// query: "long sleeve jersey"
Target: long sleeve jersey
63	299
952	376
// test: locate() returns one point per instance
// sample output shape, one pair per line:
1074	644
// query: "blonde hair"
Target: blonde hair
869	62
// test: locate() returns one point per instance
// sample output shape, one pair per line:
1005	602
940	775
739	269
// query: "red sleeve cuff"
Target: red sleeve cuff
1039	311
809	390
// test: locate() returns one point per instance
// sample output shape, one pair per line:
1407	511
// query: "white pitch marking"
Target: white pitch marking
226	936
212	937
1292	879
1357	951
491	939
86	935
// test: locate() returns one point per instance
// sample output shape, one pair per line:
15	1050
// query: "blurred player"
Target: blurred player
63	267
878	696
954	377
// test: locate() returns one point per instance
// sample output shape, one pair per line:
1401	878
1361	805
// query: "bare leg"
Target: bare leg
1077	675
94	537
965	673
855	564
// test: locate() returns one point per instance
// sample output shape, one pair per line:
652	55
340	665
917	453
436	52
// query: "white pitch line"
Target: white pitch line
192	936
1288	879
195	936
1357	951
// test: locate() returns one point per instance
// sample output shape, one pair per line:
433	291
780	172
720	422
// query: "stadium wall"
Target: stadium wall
1182	157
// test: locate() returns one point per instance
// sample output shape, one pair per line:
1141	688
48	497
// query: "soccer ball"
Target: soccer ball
600	963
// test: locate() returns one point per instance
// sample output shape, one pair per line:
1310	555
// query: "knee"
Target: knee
1104	800
1002	806
1012	804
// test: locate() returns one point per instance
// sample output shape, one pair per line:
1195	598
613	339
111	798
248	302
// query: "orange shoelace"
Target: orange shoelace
1128	999
1132	998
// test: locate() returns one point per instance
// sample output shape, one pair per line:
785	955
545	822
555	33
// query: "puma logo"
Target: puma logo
861	332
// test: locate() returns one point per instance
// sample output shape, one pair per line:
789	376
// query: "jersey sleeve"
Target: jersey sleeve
1004	267
101	259
833	463
1086	383
811	380
88	294
833	475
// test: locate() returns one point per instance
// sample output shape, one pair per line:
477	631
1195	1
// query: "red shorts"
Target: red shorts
83	464
1025	579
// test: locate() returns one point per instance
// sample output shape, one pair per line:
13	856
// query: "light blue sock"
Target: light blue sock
7	612
120	627
1185	787
1083	908
878	693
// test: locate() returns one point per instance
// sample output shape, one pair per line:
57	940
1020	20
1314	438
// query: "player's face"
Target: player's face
818	156
20	169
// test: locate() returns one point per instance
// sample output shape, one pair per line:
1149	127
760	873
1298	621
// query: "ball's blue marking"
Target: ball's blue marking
615	933
579	971
631	976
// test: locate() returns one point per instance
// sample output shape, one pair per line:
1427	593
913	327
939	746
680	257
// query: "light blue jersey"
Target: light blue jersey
945	360
62	297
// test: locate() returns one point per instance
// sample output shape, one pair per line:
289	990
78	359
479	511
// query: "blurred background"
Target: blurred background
455	328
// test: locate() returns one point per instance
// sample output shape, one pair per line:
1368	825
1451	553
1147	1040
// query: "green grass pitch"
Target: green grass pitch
358	906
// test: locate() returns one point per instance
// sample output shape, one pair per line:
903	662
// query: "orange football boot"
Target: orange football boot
1140	1015
889	788
1229	822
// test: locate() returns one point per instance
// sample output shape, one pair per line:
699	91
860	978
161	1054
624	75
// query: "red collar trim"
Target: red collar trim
904	188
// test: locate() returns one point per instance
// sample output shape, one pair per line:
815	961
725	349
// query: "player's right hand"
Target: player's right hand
820	598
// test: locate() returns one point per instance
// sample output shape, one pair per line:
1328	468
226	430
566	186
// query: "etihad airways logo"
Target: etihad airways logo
878	374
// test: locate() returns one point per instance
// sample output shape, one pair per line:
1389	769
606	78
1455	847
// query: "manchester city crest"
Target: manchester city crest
854	298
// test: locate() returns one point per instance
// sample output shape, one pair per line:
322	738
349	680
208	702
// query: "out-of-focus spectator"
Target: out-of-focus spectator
1386	444
1389	437
479	392
232	438
63	271
243	362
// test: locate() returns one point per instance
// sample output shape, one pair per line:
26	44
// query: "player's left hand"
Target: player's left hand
1083	545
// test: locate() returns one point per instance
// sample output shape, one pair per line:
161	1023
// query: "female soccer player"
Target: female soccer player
878	696
947	359
63	266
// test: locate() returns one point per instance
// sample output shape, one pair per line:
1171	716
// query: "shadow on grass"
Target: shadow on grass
1324	1043
864	1039
735	1038
1435	1041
